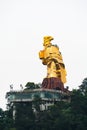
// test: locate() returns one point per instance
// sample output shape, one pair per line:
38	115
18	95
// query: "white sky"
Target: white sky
24	23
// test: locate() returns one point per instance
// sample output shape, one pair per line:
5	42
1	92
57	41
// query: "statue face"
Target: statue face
46	44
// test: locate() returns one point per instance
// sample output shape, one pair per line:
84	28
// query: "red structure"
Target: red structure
52	83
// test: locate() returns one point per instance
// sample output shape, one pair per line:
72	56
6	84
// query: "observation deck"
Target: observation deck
29	95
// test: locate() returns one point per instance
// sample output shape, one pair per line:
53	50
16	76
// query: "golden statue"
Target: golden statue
52	57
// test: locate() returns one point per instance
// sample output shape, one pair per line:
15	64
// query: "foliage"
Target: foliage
6	121
32	85
83	86
24	118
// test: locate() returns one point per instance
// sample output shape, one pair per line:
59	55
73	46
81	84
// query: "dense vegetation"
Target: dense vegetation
61	116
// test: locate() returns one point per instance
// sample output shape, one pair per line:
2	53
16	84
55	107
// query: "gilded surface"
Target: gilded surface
52	57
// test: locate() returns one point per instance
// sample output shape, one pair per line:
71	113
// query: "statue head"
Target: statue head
47	40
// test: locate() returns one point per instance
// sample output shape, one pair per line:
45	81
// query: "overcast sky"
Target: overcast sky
24	23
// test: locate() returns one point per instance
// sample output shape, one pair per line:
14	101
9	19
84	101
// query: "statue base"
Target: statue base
53	83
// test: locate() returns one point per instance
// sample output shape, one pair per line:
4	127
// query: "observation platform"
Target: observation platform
30	94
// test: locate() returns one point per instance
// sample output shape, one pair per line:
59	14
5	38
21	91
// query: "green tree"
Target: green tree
24	118
32	85
1	119
79	107
6	121
83	86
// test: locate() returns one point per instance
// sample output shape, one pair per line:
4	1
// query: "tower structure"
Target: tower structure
52	58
